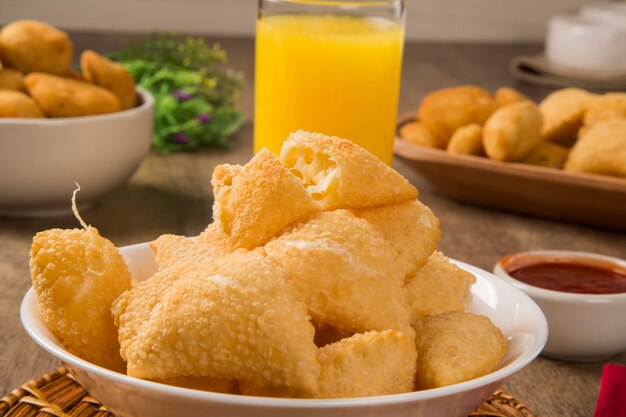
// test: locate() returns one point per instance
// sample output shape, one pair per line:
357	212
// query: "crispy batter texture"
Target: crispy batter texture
512	132
11	79
76	275
605	107
32	46
418	133
411	228
340	174
203	383
444	111
455	347
110	75
213	235
602	150
18	104
563	112
549	155
507	95
171	250
235	318
374	363
467	140
263	199
64	97
437	287
223	176
345	271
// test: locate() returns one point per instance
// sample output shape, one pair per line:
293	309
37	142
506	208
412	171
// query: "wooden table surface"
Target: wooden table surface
172	194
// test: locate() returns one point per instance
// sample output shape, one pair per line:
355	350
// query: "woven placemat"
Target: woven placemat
58	394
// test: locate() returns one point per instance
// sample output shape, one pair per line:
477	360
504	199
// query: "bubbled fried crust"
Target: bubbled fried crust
467	140
507	95
437	287
110	75
223	176
418	133
236	318
345	271
605	107
18	104
263	199
411	228
512	132
455	347
340	174
170	250
563	113
76	275
549	155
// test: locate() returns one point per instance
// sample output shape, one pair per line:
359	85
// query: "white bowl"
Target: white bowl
42	159
583	327
516	314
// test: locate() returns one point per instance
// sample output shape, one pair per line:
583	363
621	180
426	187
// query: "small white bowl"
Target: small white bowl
42	159
583	327
515	313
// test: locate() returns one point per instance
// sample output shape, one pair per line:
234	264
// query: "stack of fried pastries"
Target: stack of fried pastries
319	278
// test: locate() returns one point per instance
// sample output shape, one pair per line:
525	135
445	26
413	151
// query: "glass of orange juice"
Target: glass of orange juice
331	67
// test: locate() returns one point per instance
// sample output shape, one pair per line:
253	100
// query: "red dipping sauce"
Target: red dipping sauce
572	277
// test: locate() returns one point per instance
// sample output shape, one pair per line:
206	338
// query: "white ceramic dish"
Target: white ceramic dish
41	159
515	313
583	327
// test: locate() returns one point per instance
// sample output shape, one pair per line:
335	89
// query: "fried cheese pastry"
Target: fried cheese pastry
223	176
110	75
418	133
76	275
411	228
18	104
445	110
345	272
340	174
605	107
171	250
563	112
202	383
467	140
512	132
32	46
234	318
455	347
11	79
602	150
549	155
437	287
64	97
507	95
263	199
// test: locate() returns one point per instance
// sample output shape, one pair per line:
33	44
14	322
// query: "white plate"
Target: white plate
515	313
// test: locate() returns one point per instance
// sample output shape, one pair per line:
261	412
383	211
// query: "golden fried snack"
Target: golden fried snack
563	112
444	111
507	95
438	287
171	250
223	176
340	174
75	75
512	132
214	236
602	150
345	272
455	347
548	155
11	79
467	140
32	46
374	363
202	383
325	334
605	107
76	275
234	318
263	199
411	228
18	104
110	75
418	133
64	97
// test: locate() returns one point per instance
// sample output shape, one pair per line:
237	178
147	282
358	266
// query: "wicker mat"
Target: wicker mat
58	394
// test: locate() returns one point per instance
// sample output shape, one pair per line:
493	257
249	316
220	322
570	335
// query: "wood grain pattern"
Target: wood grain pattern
172	194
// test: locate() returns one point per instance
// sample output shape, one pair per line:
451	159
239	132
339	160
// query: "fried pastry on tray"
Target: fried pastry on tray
18	104
467	140
437	287
512	132
64	97
411	228
455	347
418	133
340	174
547	154
563	112
11	79
345	271
234	318
605	107
507	95
110	75
263	199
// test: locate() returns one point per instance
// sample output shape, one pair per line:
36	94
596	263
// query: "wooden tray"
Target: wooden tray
58	394
589	199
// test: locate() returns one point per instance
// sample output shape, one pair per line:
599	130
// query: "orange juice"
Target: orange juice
333	74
